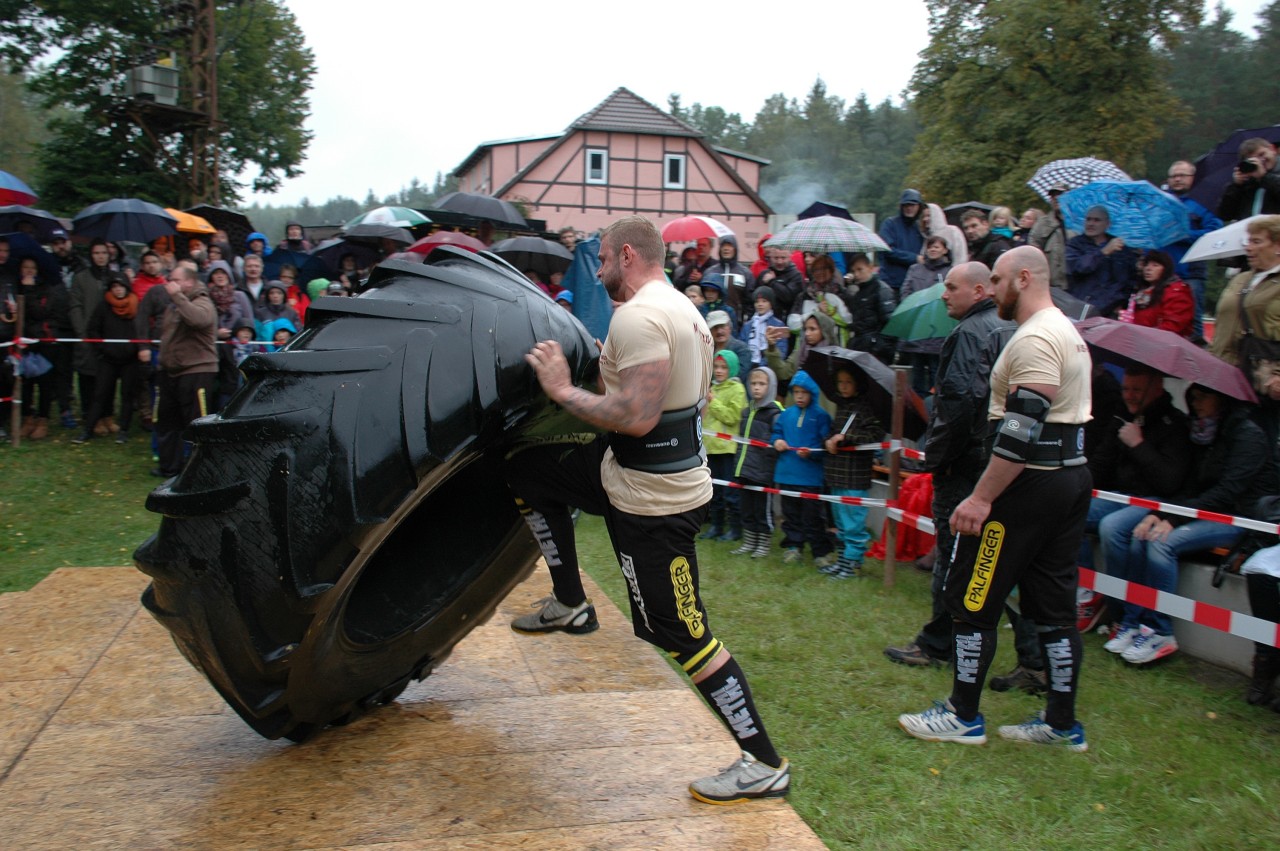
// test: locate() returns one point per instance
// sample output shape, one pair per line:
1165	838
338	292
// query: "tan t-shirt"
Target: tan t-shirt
1046	349
658	323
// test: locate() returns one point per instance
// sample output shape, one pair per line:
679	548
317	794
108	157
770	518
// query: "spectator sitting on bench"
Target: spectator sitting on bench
1231	469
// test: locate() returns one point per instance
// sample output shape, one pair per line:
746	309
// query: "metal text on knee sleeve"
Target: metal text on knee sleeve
984	566
541	533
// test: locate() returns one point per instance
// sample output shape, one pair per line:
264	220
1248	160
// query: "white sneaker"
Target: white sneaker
1149	646
1121	641
941	724
746	779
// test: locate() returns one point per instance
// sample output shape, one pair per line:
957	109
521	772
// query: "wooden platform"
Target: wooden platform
109	739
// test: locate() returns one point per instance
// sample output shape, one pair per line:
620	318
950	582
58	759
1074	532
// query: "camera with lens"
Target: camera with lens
1247	166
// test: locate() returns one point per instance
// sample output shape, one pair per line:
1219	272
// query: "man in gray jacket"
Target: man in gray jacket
1050	235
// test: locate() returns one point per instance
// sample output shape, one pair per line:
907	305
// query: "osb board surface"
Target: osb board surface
109	739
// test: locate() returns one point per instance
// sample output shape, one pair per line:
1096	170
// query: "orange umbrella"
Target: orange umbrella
187	223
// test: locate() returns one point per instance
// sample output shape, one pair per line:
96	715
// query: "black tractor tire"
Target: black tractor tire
344	522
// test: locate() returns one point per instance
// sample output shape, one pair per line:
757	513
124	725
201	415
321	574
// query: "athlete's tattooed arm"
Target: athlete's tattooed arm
634	409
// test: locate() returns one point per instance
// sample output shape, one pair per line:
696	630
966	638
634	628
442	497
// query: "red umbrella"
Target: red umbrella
1123	344
689	228
447	237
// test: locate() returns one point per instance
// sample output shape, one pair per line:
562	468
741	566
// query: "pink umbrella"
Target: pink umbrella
1124	344
446	237
689	228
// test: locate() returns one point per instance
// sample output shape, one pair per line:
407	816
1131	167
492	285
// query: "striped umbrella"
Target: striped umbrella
1073	174
14	191
826	234
396	217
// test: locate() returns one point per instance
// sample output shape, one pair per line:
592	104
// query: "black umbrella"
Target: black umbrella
483	207
124	220
1213	170
1073	308
543	256
235	223
331	251
43	224
22	246
308	265
373	234
874	379
822	208
955	211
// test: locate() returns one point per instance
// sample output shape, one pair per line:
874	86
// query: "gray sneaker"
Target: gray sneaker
553	615
747	778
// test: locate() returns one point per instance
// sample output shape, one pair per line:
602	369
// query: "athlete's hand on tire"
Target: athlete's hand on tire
549	364
969	516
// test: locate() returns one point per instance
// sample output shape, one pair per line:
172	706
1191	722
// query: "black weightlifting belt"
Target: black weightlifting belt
672	446
1058	445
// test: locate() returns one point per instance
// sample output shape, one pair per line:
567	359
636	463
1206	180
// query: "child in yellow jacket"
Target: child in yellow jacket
726	401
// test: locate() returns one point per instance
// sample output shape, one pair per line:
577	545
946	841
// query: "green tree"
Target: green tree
1007	85
726	129
75	54
22	127
1209	68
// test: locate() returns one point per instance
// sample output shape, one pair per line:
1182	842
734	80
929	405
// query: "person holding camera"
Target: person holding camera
1255	183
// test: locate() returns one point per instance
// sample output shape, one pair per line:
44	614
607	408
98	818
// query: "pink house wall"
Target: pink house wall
556	190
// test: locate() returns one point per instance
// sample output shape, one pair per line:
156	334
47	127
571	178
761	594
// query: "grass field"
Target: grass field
1176	758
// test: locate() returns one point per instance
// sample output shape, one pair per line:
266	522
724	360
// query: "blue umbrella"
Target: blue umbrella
1142	215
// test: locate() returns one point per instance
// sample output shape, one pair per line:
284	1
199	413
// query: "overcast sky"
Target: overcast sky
405	88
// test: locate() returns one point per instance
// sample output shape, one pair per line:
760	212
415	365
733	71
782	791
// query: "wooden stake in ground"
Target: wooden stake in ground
15	407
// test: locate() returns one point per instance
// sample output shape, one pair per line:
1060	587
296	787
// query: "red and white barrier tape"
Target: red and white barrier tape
821	497
1183	608
891	445
1182	511
908	518
31	341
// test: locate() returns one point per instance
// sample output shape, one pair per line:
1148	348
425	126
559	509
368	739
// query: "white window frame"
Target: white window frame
667	182
604	167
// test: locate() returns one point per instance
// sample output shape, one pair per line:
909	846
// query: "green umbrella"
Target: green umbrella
921	316
398	217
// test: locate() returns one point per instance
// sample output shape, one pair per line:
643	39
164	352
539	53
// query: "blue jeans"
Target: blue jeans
1155	563
1098	509
851	523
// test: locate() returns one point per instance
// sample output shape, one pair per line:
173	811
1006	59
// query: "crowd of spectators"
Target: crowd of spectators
212	306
